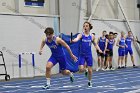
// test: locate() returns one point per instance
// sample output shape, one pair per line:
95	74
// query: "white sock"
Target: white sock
71	74
48	81
86	69
89	81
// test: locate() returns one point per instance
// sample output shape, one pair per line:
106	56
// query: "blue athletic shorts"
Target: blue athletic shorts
86	58
61	60
130	51
121	52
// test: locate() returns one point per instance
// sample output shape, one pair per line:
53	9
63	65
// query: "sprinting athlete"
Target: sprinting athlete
55	44
85	50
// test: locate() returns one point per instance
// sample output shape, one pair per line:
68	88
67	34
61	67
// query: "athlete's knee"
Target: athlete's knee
90	70
132	56
48	68
81	69
65	72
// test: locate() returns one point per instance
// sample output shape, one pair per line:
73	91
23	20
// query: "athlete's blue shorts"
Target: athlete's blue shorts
130	51
61	60
86	58
121	52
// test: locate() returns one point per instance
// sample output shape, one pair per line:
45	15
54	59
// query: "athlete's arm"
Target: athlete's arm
95	44
98	40
79	36
42	45
106	43
126	44
61	42
117	44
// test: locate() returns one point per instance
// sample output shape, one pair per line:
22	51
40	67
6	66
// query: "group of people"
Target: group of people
106	43
104	47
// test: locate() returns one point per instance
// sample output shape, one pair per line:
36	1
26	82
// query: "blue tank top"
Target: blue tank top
101	43
86	45
122	43
110	44
128	41
56	50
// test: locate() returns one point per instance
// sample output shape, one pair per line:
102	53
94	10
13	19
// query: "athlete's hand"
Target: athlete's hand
71	41
40	52
74	58
122	46
100	51
107	50
126	46
104	52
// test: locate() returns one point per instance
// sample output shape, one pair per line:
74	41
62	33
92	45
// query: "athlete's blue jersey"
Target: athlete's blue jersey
110	44
56	49
128	41
86	44
122	43
101	43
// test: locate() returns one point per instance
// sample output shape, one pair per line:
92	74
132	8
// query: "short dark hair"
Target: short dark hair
115	33
111	33
90	25
104	31
129	31
49	31
106	35
93	34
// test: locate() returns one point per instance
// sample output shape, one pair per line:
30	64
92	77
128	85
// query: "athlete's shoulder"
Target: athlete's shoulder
58	39
44	38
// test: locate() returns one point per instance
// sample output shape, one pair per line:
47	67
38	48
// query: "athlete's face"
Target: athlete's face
122	34
49	36
111	36
115	35
86	27
129	33
104	33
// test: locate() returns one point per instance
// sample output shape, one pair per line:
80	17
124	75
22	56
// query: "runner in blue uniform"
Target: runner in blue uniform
55	44
85	50
109	51
129	39
102	43
121	50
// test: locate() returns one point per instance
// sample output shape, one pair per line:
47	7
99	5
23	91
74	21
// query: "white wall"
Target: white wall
110	9
20	6
4	3
69	16
24	34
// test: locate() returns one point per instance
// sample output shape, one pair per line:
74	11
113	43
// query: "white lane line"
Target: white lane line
75	77
134	91
10	86
79	82
23	86
110	86
105	73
